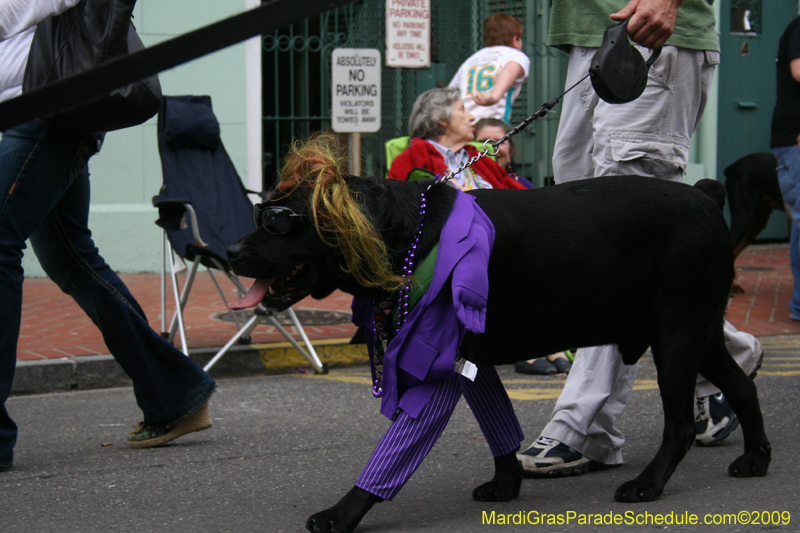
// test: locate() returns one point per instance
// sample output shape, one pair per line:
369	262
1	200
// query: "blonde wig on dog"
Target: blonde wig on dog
341	220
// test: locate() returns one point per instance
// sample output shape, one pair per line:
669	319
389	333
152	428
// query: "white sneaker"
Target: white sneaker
551	458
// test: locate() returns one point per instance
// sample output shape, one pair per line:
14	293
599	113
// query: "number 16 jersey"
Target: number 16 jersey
478	73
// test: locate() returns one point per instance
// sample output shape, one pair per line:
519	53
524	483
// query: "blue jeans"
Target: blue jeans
44	197
789	179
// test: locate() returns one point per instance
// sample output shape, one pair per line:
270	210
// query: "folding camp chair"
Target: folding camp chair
203	207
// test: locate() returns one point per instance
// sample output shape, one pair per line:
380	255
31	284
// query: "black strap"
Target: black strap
100	80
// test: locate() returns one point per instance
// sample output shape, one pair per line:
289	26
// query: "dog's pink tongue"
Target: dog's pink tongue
253	296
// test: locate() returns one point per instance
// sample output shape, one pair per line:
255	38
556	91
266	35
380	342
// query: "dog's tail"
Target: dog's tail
714	189
341	220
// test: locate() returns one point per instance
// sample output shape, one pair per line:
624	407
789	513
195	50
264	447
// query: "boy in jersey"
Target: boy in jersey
490	79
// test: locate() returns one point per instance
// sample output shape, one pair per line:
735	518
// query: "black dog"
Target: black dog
753	193
630	261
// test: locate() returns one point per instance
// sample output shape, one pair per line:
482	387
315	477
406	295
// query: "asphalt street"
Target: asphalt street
283	447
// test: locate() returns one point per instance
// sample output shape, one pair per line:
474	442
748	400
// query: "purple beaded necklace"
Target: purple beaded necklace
408	267
382	311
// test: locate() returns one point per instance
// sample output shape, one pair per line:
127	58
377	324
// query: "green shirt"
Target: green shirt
582	23
422	277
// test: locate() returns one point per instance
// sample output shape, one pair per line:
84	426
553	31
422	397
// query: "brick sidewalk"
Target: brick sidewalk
53	326
765	273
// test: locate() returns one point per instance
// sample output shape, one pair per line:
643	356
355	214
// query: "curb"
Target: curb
102	371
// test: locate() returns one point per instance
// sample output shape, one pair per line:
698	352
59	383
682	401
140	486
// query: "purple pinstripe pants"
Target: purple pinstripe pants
407	441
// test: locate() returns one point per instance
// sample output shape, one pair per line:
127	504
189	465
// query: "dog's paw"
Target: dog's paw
321	522
328	521
749	465
637	491
345	515
334	520
494	491
505	485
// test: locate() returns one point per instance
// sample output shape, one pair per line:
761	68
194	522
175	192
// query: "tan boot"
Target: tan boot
149	437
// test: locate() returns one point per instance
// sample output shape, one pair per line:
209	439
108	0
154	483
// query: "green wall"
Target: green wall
126	174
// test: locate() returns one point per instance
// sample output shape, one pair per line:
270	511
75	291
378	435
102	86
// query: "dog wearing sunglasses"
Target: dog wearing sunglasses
448	284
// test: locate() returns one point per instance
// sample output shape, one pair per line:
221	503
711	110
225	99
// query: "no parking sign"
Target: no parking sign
356	90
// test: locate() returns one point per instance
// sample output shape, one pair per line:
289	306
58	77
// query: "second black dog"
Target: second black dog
753	193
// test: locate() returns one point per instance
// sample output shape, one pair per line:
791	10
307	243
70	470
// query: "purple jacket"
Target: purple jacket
426	347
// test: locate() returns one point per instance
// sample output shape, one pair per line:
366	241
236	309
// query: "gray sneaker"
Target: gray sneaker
551	458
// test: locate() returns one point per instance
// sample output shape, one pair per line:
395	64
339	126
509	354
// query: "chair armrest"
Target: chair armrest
172	216
170	212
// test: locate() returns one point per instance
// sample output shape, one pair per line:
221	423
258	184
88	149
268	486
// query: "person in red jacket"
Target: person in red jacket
440	128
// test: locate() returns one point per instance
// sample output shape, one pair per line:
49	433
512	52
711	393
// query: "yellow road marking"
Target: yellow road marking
558	382
536	391
533	394
645	384
346	378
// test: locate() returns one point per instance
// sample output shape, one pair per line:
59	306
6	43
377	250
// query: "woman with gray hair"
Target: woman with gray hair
440	128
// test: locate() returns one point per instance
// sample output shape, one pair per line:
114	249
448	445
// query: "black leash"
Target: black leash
546	107
100	80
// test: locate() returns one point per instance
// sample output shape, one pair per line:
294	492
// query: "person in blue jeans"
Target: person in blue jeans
785	142
44	197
